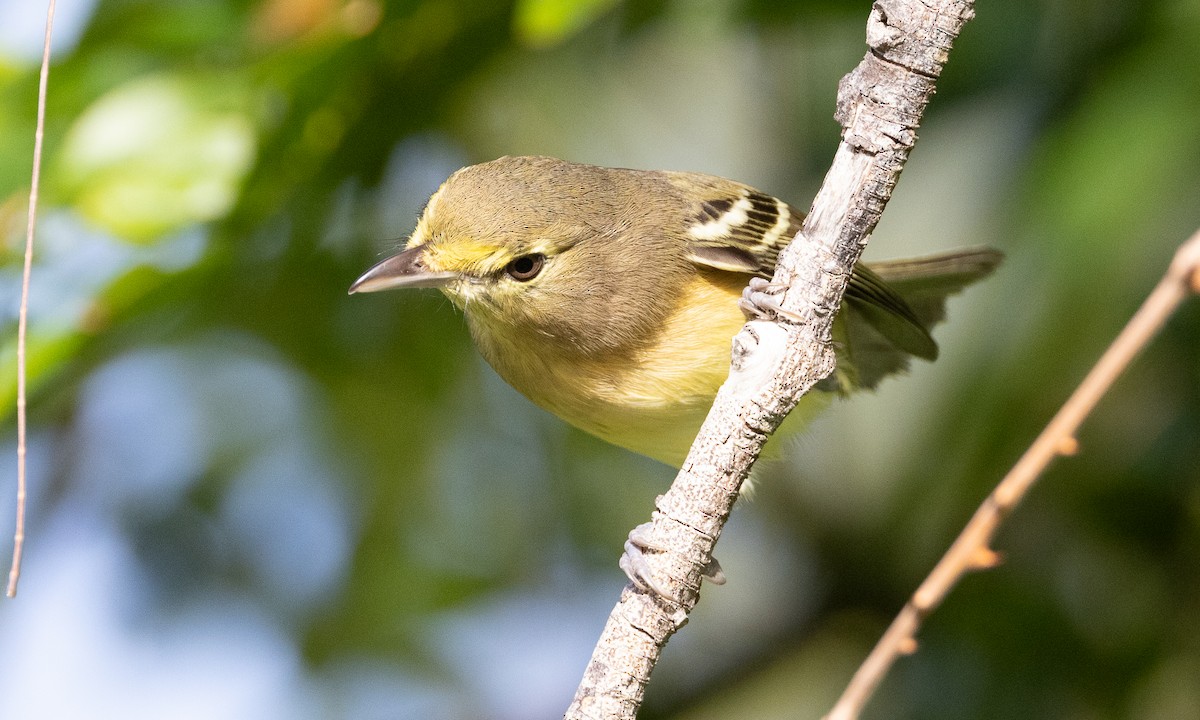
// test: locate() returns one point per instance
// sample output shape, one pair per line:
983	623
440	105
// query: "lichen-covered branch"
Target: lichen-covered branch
879	106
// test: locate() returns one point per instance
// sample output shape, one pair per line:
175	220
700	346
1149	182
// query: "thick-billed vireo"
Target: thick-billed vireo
610	296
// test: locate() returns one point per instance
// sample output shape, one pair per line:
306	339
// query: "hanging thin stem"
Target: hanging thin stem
14	573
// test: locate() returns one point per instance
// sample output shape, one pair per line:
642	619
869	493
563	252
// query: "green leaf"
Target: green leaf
543	23
157	154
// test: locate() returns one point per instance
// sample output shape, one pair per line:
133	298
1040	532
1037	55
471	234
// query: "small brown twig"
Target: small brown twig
14	573
971	550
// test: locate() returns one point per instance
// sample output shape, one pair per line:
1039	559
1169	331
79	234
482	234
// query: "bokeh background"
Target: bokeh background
253	496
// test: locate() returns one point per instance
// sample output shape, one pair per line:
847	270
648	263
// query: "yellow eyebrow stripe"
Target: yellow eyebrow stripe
467	256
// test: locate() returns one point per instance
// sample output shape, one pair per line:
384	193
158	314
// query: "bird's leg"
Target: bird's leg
758	301
633	563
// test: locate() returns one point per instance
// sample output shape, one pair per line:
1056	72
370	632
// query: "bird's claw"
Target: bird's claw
714	573
633	563
758	301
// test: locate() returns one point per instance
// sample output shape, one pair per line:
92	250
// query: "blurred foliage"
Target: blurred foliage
257	496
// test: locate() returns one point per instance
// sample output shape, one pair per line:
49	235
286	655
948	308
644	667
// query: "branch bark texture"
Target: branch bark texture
879	106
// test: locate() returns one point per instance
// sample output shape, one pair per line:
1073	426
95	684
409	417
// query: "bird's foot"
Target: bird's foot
633	563
758	301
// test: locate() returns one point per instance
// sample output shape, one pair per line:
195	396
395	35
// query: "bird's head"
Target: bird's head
538	250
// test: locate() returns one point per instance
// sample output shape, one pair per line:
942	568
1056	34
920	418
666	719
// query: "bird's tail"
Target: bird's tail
877	338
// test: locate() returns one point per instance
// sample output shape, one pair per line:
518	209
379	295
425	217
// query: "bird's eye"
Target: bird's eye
526	267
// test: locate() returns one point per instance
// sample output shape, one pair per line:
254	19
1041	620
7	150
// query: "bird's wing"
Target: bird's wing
736	228
924	283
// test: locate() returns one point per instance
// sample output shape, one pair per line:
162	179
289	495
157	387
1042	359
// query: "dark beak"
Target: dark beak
405	270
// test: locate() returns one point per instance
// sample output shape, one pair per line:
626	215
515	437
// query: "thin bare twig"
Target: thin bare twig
14	573
971	550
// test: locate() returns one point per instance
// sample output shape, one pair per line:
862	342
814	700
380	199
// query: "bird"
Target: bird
610	296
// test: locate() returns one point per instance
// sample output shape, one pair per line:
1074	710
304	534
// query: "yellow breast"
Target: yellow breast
650	399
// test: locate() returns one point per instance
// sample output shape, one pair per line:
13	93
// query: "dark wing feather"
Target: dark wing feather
887	312
730	226
736	228
924	283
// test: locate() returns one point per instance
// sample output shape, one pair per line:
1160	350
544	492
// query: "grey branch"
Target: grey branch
879	106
